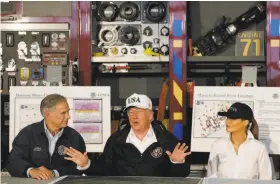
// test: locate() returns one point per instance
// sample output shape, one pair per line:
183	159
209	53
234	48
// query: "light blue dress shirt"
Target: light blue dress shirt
52	142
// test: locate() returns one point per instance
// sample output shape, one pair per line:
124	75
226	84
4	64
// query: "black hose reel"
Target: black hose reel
155	11
108	11
129	35
129	11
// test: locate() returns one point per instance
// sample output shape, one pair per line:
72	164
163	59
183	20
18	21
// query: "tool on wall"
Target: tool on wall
116	68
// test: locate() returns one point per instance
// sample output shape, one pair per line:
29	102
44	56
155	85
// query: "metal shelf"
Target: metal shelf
241	59
118	59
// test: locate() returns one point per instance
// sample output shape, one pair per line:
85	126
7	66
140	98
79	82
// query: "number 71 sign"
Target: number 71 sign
249	43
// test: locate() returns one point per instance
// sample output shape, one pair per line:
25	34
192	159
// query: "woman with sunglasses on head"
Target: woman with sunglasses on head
240	155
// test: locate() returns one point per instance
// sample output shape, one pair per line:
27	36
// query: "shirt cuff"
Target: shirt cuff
56	174
84	168
28	171
178	162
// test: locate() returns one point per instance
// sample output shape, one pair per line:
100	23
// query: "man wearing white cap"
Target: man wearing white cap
142	147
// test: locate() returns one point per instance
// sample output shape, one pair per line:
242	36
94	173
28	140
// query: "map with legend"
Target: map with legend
207	122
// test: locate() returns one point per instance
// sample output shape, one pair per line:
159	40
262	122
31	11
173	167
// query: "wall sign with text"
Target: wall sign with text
249	43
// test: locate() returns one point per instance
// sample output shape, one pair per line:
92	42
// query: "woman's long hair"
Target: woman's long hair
255	129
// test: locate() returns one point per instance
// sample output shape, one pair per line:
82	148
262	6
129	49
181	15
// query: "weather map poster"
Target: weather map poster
88	119
87	111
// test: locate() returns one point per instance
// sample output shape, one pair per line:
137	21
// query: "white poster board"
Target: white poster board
207	126
90	111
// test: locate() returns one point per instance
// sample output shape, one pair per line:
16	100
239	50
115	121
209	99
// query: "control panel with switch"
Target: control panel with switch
27	49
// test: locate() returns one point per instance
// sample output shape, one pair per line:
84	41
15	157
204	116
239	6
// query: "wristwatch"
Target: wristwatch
53	173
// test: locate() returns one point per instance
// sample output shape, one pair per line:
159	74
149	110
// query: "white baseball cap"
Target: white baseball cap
138	100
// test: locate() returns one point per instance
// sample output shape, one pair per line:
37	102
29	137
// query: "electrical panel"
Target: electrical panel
131	31
30	54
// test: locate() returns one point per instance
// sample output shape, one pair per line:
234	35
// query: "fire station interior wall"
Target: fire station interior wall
204	17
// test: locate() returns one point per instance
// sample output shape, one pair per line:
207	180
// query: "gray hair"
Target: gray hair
50	101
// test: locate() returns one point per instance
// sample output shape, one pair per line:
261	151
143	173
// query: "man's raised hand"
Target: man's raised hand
179	153
76	156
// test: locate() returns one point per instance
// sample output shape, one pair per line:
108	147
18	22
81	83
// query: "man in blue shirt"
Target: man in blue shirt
38	149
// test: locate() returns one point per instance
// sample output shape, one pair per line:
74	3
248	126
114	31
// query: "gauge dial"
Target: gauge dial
54	36
62	36
164	49
54	44
164	31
